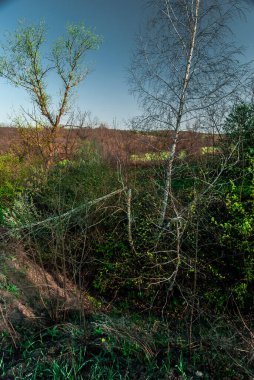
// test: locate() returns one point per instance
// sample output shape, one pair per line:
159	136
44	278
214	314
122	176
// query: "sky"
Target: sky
105	92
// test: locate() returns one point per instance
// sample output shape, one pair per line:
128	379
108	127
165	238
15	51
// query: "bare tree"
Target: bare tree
184	66
23	65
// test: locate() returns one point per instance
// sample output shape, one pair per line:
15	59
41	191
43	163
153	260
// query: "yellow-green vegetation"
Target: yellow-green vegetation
182	154
150	156
210	150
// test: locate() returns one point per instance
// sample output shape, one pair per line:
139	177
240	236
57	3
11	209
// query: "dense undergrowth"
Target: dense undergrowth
126	347
157	315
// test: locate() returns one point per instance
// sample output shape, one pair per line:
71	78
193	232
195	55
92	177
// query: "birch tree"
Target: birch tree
185	64
185	72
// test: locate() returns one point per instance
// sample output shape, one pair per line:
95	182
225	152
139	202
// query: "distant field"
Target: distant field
126	146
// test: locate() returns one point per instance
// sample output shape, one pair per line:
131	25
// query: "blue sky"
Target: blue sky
105	92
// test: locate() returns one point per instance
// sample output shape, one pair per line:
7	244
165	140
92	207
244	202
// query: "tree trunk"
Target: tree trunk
172	149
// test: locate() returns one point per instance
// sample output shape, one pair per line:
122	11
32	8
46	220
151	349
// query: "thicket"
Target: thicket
220	219
79	220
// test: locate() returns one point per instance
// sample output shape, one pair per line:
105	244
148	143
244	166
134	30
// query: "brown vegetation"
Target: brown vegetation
28	291
114	145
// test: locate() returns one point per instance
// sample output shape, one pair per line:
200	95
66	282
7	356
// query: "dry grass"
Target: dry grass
29	292
115	145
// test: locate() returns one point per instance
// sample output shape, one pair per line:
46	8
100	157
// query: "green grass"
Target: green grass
9	287
118	348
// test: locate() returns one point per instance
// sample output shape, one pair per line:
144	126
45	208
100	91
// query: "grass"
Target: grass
107	349
11	288
116	347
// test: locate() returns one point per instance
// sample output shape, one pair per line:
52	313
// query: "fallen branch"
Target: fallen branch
71	212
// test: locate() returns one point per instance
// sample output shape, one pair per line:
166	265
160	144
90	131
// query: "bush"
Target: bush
70	184
239	128
12	174
236	237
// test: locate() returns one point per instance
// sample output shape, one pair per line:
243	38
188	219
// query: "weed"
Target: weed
9	287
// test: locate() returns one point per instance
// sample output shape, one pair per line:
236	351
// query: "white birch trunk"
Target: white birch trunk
172	149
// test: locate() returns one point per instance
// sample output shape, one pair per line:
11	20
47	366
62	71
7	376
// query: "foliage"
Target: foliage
126	347
92	248
70	184
153	156
12	174
45	215
239	129
11	288
24	65
236	236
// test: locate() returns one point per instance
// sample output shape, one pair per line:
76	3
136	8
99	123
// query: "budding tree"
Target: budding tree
184	67
185	72
24	65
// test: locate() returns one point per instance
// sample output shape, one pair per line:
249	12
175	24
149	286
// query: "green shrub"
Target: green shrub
239	128
72	183
12	174
236	236
225	254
